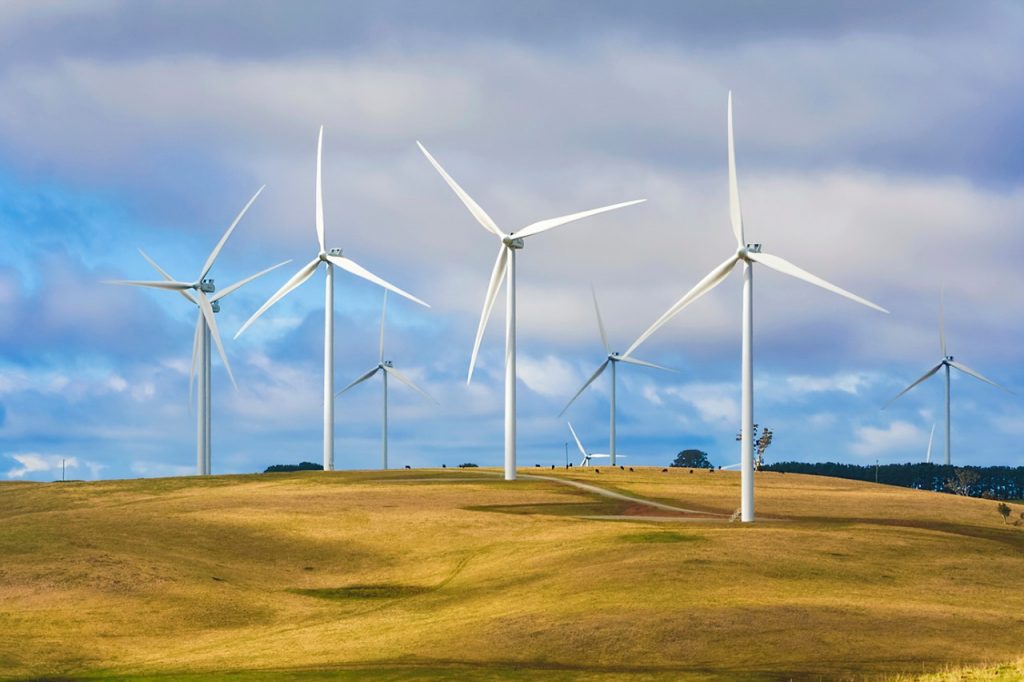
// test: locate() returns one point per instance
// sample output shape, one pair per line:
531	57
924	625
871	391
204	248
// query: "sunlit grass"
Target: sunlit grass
459	574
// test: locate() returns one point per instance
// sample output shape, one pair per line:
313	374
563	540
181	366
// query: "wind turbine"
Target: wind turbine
748	254
587	456
611	359
946	362
385	367
331	257
206	326
505	268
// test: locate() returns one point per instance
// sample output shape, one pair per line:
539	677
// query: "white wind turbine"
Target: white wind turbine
946	362
331	257
206	326
748	254
587	456
505	268
611	359
386	367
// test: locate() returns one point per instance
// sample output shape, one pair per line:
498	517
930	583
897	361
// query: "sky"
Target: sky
878	145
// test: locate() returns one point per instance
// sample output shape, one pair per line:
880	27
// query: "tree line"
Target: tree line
997	483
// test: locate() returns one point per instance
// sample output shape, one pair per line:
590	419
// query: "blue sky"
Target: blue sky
878	145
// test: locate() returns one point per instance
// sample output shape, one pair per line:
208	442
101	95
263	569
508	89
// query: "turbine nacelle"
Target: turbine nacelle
329	253
513	242
743	254
206	286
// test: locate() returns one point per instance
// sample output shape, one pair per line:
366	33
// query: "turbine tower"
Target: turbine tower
505	268
206	327
331	258
611	360
748	254
944	364
386	367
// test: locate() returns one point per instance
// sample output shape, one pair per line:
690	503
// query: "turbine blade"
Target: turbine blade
600	323
383	314
578	443
942	323
238	285
173	286
931	437
474	208
320	191
211	322
735	215
220	245
787	268
497	275
298	278
710	281
927	374
408	382
967	370
644	363
166	276
593	377
360	379
358	270
551	223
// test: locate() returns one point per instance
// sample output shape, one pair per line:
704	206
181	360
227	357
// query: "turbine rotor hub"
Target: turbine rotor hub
748	249
513	242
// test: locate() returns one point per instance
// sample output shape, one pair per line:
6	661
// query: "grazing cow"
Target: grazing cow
664	471
408	467
630	468
444	466
552	467
536	466
691	471
597	471
622	468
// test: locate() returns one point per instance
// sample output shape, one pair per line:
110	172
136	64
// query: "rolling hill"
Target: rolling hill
440	574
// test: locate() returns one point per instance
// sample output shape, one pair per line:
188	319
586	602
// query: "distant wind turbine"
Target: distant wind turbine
748	254
505	268
946	362
587	456
330	257
611	359
385	367
206	326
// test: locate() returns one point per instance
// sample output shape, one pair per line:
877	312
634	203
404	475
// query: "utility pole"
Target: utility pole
876	471
566	454
62	469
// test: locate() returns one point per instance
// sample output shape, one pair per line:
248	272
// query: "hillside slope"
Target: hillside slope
441	573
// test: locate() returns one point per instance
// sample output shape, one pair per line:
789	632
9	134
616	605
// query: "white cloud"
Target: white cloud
716	403
549	376
872	441
36	463
847	382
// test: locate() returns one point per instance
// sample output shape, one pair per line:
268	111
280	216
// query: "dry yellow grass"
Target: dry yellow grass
457	574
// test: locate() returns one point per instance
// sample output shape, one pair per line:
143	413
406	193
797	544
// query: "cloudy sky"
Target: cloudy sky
878	145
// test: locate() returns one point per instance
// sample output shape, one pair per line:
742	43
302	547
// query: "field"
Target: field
456	574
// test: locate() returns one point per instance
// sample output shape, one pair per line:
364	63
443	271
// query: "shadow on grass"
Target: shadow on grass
356	592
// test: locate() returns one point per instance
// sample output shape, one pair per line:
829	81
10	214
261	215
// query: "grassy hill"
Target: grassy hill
458	574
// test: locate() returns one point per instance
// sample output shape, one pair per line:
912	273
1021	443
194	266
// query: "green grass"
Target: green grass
447	574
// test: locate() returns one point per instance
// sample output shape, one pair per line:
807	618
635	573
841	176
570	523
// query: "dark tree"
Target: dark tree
1004	511
304	466
692	459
